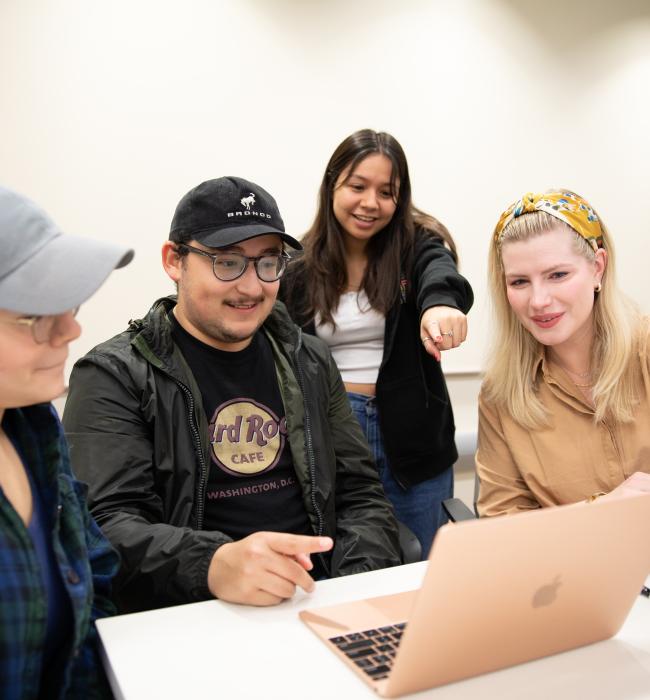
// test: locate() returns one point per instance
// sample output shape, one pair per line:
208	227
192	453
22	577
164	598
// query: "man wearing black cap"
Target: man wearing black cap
217	440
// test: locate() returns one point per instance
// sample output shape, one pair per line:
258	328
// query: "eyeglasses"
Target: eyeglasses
43	328
229	266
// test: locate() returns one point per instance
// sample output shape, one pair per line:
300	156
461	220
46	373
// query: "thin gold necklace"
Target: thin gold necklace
582	386
582	375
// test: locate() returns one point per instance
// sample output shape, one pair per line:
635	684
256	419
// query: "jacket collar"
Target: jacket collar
153	335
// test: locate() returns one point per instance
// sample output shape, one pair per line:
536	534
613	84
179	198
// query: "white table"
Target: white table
219	650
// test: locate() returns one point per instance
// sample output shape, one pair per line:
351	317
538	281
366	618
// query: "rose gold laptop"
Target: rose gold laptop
498	592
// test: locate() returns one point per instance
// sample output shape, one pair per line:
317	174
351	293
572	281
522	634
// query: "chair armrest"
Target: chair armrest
409	544
456	510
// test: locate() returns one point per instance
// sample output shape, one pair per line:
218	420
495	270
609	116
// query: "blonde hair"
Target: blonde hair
511	379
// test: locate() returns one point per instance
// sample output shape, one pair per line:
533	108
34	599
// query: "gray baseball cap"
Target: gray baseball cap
42	270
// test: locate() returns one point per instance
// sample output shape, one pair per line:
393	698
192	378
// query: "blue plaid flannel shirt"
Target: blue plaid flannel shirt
86	561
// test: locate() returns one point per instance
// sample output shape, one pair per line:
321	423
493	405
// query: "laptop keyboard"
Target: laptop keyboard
372	650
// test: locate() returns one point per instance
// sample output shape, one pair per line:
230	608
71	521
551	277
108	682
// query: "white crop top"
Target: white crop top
357	344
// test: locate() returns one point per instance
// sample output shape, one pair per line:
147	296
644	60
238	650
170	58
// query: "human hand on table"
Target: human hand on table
264	568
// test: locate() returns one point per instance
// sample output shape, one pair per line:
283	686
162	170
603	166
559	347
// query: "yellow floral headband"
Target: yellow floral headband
563	205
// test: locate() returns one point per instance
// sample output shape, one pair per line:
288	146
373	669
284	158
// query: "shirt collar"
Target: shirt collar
558	381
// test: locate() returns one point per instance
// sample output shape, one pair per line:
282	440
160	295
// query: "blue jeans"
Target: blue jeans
418	506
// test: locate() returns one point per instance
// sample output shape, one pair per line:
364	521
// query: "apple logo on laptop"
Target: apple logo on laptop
547	593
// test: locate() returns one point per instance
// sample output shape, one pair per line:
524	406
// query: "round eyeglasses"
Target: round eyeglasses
229	266
43	328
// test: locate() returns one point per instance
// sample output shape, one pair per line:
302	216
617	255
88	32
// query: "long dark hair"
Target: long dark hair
389	252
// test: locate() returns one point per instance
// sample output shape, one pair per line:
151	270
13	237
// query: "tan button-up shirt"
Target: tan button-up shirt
520	469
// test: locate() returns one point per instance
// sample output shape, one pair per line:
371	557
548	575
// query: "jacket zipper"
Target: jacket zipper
200	505
198	445
308	437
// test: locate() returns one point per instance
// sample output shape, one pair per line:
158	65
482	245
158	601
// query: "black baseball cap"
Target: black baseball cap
225	211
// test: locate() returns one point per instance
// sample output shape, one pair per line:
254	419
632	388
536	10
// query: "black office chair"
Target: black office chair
409	545
457	510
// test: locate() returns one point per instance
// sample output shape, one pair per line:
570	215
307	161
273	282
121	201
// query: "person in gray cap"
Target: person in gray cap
217	440
56	565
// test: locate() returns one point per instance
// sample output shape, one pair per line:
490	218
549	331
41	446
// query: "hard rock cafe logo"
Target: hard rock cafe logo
246	438
248	203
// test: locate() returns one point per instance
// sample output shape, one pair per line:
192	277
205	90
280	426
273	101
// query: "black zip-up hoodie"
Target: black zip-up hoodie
415	413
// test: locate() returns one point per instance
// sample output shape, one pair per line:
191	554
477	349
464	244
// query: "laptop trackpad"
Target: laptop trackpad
360	614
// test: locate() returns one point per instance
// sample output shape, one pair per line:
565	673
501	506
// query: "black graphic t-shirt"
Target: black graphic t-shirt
252	482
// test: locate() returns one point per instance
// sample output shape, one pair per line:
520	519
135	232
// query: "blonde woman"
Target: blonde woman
565	406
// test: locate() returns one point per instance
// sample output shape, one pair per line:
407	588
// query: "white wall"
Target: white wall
110	112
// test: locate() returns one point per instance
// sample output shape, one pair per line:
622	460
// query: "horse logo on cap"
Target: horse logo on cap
248	201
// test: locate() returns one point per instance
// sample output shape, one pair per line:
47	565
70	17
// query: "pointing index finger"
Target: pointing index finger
285	543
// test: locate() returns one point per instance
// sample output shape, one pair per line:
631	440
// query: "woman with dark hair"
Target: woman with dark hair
55	565
378	282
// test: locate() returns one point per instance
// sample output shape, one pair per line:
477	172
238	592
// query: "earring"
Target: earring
598	287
